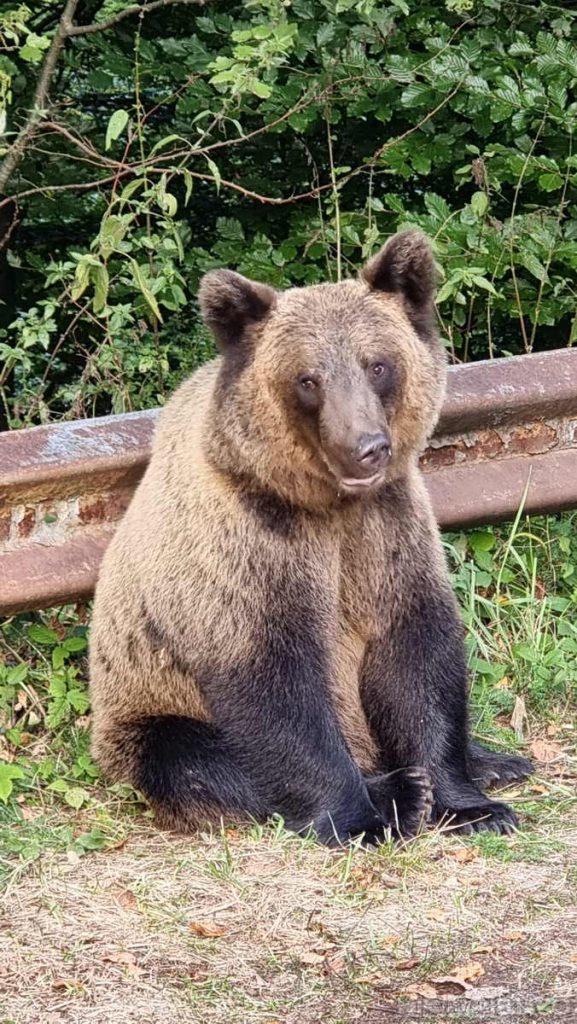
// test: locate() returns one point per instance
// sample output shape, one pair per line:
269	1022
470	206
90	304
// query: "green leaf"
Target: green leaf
532	264
551	181
39	634
75	643
79	700
437	206
58	657
479	203
8	772
99	275
260	89
76	797
215	172
116	125
483	283
142	284
446	291
81	280
482	540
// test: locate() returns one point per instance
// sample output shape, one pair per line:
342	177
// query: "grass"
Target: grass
105	919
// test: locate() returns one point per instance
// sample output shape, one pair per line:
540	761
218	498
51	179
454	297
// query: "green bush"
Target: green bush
285	139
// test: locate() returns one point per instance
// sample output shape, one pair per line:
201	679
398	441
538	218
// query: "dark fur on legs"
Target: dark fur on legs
491	768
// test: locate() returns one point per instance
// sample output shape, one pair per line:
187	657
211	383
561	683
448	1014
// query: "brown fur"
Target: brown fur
239	493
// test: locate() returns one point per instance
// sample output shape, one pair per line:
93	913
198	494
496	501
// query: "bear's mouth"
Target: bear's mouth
352	484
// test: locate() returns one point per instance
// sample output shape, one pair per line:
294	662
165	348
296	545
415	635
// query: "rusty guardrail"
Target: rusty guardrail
506	425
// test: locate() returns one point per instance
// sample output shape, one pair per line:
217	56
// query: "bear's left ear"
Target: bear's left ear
230	303
404	266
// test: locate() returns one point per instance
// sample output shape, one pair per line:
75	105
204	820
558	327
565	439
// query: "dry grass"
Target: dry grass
301	935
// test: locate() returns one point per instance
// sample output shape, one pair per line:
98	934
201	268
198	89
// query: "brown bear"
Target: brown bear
274	629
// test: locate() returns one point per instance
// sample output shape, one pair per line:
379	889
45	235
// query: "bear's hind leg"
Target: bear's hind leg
490	768
189	773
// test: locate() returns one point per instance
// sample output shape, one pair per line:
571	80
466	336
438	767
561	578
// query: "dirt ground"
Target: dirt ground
259	927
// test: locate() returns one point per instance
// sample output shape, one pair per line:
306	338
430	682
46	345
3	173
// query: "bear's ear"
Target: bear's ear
230	302
404	266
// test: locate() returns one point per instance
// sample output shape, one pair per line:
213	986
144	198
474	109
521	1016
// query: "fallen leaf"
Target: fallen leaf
206	931
468	972
450	985
389	940
483	949
442	988
539	789
22	701
67	984
513	936
127	899
552	729
336	965
437	914
372	979
463	854
519	717
124	958
319	926
545	751
311	959
407	965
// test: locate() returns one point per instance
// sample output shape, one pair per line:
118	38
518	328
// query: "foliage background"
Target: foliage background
286	139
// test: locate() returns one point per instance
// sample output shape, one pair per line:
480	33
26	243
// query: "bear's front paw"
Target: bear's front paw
404	799
482	817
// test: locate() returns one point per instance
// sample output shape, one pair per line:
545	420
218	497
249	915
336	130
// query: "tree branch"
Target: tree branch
18	147
155	5
66	30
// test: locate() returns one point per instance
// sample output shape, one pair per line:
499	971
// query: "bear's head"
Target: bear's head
328	390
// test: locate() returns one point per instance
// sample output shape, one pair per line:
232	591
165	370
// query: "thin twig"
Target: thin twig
140	9
18	147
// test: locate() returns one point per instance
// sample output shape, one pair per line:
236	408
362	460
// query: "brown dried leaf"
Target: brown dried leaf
469	971
127	899
441	988
545	751
311	959
407	965
463	854
206	931
483	949
336	965
450	985
67	984
124	958
513	936
437	914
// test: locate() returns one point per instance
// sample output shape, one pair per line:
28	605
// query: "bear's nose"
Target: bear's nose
372	449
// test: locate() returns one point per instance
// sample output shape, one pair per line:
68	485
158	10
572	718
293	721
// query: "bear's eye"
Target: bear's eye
378	369
307	383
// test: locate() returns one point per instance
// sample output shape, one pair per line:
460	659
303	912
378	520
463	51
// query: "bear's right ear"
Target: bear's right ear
229	303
